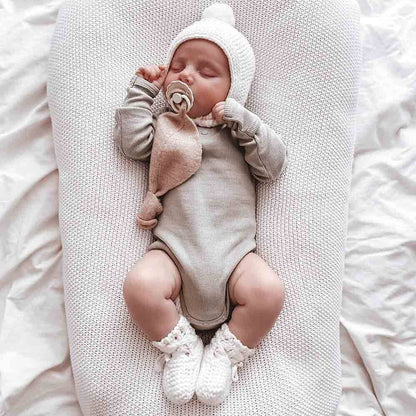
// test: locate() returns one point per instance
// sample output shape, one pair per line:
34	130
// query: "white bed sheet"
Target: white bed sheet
35	372
378	318
378	322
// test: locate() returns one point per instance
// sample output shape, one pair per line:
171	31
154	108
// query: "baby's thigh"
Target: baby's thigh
155	274
254	279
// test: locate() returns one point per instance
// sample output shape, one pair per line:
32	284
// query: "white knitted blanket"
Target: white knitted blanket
308	57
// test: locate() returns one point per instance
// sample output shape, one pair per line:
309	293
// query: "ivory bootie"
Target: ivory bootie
221	359
181	359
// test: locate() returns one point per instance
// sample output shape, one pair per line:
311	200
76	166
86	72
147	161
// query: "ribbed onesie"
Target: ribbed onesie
208	222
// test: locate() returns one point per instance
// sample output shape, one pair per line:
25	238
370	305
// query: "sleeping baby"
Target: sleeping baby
202	272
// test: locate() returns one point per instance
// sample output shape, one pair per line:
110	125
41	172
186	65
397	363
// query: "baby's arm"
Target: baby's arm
264	149
135	122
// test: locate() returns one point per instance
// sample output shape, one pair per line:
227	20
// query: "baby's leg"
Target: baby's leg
149	290
258	293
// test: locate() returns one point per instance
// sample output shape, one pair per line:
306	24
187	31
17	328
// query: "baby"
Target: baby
203	254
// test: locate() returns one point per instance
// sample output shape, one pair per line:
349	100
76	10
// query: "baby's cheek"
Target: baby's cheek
168	80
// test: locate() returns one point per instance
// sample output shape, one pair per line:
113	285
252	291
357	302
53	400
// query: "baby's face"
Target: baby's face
204	67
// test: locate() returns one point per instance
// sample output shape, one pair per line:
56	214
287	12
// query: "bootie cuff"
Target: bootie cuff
171	342
235	349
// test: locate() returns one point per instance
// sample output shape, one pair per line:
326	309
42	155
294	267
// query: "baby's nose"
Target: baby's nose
185	77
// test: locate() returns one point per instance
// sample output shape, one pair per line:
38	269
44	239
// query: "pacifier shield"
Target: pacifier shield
178	92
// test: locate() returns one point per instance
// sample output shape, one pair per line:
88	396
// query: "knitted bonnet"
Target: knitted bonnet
217	25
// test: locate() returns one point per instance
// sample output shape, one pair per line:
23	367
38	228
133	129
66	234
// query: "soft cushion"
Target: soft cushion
307	64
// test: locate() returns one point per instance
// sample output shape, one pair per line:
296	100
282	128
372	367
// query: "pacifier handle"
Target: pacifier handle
177	98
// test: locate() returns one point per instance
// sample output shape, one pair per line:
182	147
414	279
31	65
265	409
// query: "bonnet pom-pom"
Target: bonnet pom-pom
220	11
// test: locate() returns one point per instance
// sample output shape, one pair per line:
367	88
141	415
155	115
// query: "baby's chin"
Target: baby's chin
196	114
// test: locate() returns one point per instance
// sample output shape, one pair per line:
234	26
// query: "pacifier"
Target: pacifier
177	94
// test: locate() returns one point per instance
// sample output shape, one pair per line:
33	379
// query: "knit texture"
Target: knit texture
180	361
307	65
223	356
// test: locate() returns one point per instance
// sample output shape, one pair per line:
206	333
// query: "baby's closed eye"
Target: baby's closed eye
207	75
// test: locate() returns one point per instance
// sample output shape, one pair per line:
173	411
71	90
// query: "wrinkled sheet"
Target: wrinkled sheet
378	318
35	371
378	322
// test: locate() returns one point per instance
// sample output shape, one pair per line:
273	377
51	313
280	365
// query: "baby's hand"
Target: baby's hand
218	111
155	74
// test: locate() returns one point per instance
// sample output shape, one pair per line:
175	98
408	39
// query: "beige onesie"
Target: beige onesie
208	237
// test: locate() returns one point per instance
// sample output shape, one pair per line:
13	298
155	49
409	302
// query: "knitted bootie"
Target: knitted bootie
181	359
221	359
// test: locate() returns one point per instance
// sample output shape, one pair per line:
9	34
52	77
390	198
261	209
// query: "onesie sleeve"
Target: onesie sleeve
265	151
135	121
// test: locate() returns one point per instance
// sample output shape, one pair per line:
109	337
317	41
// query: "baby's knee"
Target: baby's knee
151	281
268	293
141	286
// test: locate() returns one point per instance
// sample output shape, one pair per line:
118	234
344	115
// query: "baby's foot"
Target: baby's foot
222	357
180	362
